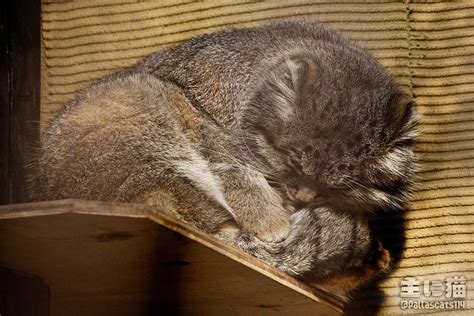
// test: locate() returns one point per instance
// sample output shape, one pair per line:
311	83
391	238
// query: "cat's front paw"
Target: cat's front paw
271	230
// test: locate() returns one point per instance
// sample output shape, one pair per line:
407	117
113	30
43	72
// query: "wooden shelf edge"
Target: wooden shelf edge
142	211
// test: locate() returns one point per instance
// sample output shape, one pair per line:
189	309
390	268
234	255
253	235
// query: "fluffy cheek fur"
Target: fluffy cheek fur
389	179
389	182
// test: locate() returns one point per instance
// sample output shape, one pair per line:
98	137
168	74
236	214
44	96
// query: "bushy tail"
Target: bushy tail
321	242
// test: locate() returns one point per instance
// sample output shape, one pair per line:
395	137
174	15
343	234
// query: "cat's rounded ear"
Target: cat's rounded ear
294	78
303	73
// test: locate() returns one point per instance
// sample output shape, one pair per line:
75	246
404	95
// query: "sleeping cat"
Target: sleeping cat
276	139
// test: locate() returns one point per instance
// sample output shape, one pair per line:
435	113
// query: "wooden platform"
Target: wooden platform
121	259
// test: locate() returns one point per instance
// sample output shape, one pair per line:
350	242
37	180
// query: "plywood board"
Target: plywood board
110	258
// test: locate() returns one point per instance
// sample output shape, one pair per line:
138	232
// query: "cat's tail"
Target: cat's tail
321	243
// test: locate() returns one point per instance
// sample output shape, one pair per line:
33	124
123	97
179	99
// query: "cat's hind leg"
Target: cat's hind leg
129	139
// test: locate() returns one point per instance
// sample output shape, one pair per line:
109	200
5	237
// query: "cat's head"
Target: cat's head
331	128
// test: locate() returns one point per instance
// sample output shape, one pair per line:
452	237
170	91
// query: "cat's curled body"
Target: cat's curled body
234	131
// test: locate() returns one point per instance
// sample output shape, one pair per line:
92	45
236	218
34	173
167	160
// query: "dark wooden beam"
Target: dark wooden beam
4	108
19	94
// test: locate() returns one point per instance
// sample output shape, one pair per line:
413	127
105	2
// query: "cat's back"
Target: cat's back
214	69
106	140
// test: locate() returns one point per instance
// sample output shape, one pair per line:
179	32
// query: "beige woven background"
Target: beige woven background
428	47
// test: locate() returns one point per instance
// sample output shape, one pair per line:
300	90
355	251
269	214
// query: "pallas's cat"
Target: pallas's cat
277	139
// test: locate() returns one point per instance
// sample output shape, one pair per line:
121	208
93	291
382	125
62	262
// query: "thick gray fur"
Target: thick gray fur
245	126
